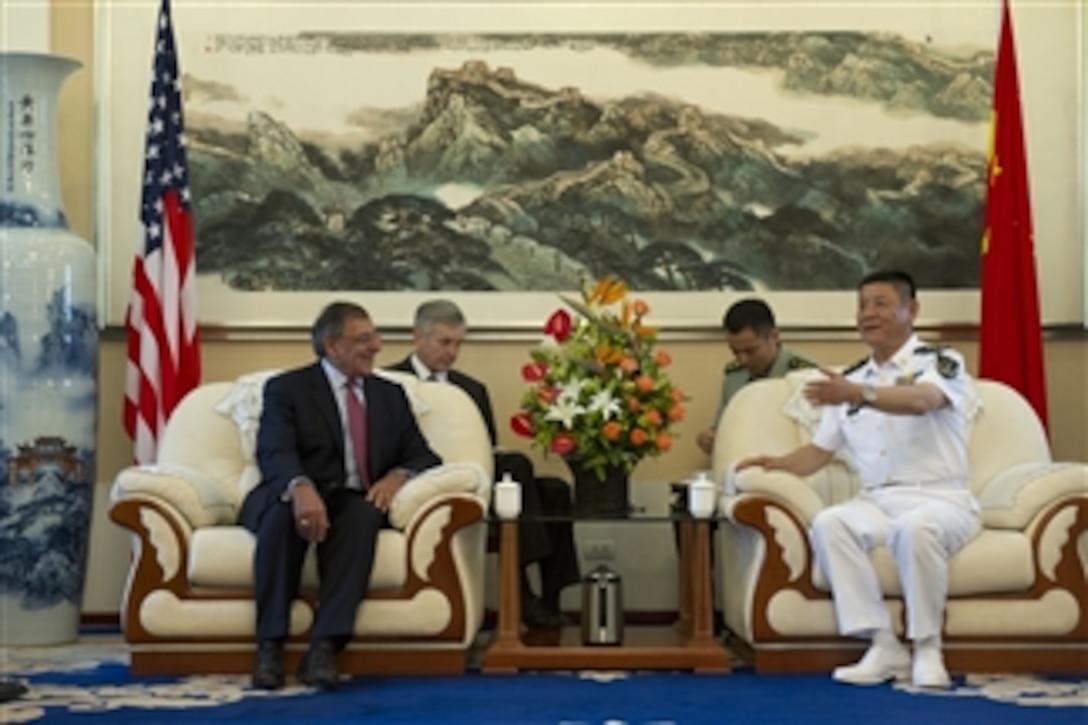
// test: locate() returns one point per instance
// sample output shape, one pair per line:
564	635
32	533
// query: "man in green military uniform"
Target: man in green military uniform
752	335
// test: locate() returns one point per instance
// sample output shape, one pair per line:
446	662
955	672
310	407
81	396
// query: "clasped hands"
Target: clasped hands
312	518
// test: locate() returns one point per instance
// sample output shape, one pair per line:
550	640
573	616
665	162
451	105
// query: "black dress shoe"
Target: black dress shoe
537	616
318	666
11	690
268	665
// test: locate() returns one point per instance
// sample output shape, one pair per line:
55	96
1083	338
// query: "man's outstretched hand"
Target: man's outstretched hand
832	390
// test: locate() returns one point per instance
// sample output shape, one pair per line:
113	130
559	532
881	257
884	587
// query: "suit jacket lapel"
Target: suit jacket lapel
325	404
404	366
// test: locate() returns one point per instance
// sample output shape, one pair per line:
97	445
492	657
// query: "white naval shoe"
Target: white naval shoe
885	660
928	669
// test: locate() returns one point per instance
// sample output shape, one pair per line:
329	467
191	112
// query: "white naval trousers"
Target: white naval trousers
923	528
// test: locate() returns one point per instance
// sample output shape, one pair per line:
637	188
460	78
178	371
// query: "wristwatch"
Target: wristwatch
868	394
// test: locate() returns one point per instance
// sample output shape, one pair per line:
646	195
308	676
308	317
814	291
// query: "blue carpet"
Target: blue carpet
104	693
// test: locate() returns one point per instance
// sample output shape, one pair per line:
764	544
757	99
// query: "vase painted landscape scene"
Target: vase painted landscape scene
532	162
48	368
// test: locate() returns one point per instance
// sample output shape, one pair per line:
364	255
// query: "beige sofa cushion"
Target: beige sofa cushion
994	562
221	557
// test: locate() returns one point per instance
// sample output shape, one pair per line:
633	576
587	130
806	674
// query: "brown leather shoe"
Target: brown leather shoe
268	665
318	666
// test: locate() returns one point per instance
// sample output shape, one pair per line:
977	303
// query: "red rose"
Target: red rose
522	424
563	443
534	371
558	325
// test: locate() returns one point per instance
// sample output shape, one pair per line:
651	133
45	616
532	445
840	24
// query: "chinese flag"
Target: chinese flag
1010	339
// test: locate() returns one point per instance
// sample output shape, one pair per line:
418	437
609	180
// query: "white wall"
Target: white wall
24	26
1082	147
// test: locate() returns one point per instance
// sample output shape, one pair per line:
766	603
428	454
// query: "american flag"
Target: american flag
163	338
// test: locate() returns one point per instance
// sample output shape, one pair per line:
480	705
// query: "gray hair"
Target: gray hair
330	323
437	312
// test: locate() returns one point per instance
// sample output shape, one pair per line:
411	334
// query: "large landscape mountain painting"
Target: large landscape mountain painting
529	162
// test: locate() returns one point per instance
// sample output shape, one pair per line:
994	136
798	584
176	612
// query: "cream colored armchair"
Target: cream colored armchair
188	603
1018	600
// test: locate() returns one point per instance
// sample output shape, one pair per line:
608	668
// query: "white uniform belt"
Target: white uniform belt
940	485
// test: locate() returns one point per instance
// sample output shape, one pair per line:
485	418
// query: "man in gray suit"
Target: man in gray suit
439	329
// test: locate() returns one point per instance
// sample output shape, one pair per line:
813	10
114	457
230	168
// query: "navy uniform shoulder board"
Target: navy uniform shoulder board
733	367
947	367
799	363
856	366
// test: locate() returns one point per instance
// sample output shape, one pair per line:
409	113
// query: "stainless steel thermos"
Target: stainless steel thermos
602	607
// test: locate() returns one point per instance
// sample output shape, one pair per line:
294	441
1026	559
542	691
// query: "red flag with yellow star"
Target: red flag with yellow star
1010	337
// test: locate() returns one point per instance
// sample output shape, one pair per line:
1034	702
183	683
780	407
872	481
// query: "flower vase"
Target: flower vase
48	367
599	497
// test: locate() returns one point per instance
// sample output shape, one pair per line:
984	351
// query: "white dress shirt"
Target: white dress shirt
425	373
338	382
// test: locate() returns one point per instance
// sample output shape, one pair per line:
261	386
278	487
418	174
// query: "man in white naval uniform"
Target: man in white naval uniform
901	415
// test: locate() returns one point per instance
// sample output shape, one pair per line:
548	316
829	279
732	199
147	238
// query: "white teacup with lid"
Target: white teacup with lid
507	498
701	496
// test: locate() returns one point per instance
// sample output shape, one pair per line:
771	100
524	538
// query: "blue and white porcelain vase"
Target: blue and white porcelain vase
48	367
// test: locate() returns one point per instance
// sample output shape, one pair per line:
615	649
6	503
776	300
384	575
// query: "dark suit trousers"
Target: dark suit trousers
549	544
344	562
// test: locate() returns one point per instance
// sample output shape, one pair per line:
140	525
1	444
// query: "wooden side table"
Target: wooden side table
690	645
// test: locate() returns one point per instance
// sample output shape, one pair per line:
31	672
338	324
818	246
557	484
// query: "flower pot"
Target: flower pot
48	368
597	497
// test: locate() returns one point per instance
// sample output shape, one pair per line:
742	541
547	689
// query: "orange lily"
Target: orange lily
608	290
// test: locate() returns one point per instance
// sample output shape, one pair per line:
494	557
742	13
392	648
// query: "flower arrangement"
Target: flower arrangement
598	389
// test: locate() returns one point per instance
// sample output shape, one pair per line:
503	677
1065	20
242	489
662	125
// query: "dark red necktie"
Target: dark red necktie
357	431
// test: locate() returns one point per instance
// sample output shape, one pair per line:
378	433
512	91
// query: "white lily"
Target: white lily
565	411
606	404
571	391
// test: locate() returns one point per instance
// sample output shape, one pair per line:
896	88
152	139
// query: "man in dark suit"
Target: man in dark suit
439	330
334	446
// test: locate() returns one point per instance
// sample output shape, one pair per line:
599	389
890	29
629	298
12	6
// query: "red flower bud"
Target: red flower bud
522	424
534	371
558	325
563	443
